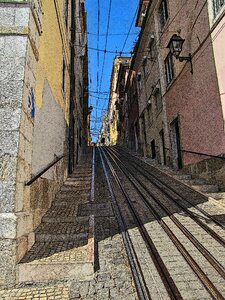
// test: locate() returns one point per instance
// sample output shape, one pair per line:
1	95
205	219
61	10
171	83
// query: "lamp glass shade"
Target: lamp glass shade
175	45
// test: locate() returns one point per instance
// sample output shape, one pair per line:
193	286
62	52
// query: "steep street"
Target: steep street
140	233
112	149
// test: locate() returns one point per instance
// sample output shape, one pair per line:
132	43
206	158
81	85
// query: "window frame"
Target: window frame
63	76
169	68
163	13
66	12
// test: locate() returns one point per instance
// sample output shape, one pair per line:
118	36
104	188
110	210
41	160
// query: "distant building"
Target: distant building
43	114
113	106
122	105
104	131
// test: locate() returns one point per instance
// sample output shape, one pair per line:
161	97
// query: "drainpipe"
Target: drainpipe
72	87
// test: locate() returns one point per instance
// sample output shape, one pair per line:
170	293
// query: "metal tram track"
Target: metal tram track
171	188
209	230
192	263
139	280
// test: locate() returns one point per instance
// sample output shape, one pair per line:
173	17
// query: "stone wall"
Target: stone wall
24	131
13	46
49	142
212	170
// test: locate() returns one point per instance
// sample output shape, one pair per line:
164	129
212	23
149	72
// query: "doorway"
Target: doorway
153	149
162	148
176	144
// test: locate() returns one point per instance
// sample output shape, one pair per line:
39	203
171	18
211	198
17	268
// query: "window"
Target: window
66	12
150	114
63	76
163	13
169	68
217	5
139	81
158	100
152	48
162	148
153	149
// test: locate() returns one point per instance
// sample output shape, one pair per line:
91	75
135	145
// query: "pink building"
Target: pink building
192	92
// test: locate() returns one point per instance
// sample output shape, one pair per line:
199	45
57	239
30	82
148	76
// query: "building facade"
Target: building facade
180	97
38	122
114	98
122	126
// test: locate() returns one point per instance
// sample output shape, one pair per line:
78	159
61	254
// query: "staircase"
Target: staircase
64	241
211	191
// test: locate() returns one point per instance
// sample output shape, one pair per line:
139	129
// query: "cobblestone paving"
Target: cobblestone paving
60	292
57	252
112	279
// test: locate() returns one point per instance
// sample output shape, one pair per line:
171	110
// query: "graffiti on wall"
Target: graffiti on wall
31	103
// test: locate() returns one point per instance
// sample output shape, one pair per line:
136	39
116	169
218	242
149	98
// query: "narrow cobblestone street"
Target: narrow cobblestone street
121	228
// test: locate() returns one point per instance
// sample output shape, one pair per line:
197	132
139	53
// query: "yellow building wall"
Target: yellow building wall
52	48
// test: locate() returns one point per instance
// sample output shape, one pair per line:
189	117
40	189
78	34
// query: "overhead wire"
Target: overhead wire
106	43
98	60
129	31
127	36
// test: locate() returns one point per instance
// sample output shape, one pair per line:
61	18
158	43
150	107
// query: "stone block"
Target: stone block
9	118
2	44
11	69
19	206
24	224
23	171
22	246
8	226
22	16
7	262
31	240
7	196
26	127
9	141
28	152
11	93
55	271
37	216
8	168
7	15
15	47
22	143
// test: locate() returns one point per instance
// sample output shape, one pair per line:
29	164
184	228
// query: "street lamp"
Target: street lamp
175	45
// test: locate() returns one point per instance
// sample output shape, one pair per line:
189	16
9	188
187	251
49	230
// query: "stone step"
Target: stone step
206	188
57	237
81	174
62	231
59	260
74	189
217	196
79	178
78	184
72	195
198	181
67	217
182	176
69	210
67	202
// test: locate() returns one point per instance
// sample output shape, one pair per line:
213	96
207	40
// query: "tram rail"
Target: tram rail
111	156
